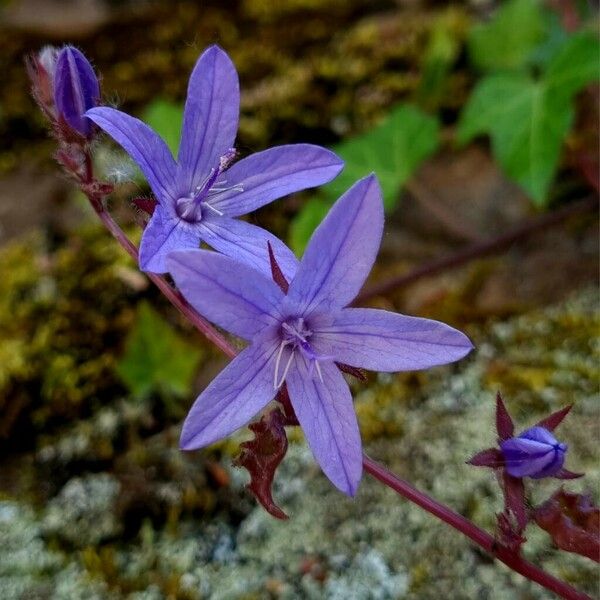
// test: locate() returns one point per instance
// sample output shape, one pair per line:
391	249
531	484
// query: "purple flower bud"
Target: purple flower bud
535	453
76	89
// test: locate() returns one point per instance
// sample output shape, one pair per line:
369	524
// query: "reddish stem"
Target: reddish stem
458	522
474	533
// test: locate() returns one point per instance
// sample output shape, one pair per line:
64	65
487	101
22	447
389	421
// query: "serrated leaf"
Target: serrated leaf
156	358
393	150
506	42
166	119
527	124
305	222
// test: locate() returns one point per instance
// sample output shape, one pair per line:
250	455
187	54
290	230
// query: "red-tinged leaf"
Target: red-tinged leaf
514	498
276	272
492	457
352	371
261	457
504	423
288	410
508	532
566	474
146	205
555	419
573	522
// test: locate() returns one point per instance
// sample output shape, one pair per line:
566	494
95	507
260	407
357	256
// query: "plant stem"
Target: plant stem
479	249
442	512
474	533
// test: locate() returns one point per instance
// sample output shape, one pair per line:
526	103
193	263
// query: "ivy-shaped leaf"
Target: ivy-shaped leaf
528	119
393	150
156	358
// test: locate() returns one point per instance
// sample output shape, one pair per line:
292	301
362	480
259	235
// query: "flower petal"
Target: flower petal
527	458
164	234
539	434
273	173
210	118
239	392
326	415
383	341
143	145
342	250
248	244
229	293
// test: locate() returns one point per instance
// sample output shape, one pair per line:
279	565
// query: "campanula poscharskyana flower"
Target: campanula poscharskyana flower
298	337
201	193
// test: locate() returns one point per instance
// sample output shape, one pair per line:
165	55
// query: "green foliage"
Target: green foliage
393	150
507	41
166	119
529	117
156	358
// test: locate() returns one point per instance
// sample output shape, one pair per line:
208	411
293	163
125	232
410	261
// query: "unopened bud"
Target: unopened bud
40	68
76	89
535	453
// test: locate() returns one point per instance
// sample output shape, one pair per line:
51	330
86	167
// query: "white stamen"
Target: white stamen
277	361
238	187
318	366
213	209
277	383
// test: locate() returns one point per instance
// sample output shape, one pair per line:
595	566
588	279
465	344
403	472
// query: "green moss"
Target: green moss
63	314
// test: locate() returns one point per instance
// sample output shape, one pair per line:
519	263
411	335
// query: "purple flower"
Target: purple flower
297	337
535	453
76	87
200	194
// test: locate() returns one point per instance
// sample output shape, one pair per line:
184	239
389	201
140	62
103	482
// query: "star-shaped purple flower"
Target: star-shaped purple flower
201	193
298	337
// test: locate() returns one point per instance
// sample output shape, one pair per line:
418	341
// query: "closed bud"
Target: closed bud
40	68
76	89
535	453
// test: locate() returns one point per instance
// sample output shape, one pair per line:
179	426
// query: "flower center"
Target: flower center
295	335
189	208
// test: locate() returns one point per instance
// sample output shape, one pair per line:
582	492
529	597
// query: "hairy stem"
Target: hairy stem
442	512
479	249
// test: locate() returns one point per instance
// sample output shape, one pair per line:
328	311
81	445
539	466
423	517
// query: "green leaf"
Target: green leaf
306	222
527	124
506	42
166	119
156	358
393	150
575	65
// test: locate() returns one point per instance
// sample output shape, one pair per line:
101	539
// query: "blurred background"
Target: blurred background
481	120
